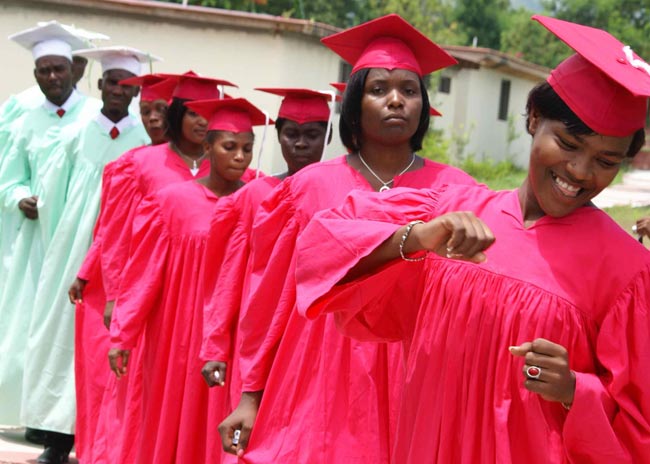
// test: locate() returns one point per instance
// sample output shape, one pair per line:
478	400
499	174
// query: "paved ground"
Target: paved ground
15	450
633	191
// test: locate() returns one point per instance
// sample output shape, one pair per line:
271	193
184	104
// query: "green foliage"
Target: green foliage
502	175
528	40
482	19
626	216
342	13
628	20
494	22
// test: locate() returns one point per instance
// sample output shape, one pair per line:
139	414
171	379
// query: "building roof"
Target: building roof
479	57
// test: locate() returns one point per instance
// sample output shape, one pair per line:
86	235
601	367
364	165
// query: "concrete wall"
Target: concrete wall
470	112
248	56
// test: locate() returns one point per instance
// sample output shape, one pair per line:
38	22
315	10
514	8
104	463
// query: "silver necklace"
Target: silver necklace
195	161
386	185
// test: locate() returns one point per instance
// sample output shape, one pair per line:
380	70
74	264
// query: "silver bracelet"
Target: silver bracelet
405	235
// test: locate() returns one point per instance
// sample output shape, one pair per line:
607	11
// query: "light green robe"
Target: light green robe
25	170
48	399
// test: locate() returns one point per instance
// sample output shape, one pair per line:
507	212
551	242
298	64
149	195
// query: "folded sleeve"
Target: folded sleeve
122	197
380	306
92	260
271	296
15	173
609	420
142	284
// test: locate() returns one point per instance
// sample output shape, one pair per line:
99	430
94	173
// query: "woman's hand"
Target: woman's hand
549	362
76	290
643	227
118	360
214	373
242	419
108	314
457	235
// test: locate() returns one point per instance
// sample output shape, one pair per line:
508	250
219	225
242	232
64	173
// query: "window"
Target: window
344	74
504	99
444	86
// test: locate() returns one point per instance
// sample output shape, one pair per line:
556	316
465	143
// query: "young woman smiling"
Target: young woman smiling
525	330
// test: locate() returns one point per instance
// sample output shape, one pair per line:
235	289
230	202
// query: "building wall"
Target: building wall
470	115
246	56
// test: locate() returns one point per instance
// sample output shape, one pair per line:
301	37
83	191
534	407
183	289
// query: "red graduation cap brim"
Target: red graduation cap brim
194	87
153	86
302	105
388	42
233	114
340	86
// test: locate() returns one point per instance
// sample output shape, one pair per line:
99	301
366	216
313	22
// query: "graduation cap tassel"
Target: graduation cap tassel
328	131
638	64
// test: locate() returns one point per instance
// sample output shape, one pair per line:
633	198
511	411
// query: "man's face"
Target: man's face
54	77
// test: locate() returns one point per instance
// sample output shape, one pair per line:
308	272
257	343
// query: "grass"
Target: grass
626	216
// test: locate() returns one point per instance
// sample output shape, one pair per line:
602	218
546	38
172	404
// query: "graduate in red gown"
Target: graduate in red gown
534	349
325	398
127	181
303	125
161	291
87	291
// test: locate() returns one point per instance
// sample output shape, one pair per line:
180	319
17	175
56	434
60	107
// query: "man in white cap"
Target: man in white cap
33	97
48	397
30	199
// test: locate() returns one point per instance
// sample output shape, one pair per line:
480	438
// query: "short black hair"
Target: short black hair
547	103
350	121
175	114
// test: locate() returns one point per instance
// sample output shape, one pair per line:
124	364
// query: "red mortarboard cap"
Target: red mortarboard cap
152	86
191	86
302	105
604	83
233	114
340	86
388	42
159	91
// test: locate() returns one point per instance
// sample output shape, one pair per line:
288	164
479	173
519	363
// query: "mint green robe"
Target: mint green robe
26	169
48	399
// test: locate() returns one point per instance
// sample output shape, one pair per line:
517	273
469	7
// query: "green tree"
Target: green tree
482	19
530	41
629	21
341	13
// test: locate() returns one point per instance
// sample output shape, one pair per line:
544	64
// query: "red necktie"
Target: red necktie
114	132
60	112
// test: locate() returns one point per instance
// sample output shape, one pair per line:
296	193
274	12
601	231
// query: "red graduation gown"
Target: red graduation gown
327	398
579	281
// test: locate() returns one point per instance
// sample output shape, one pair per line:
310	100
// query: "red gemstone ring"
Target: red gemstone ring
533	372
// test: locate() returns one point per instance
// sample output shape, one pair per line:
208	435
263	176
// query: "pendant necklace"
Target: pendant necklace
386	185
195	161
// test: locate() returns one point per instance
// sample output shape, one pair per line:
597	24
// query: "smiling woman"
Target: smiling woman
524	313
